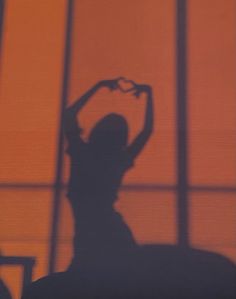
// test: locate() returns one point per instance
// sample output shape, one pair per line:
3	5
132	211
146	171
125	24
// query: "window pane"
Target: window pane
30	87
213	222
25	215
138	42
212	91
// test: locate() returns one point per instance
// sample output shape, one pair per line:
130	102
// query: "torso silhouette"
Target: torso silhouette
95	179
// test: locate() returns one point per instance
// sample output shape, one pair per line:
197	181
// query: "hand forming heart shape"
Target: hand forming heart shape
126	85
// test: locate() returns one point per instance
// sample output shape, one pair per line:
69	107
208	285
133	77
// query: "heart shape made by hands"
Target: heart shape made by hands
126	85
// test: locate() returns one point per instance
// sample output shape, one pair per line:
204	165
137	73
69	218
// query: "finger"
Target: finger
136	94
119	78
134	83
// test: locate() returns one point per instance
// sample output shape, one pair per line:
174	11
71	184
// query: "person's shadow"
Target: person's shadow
107	261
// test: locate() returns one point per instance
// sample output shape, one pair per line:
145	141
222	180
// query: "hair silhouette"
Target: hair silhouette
110	134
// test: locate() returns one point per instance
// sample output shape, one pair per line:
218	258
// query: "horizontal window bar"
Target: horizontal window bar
128	187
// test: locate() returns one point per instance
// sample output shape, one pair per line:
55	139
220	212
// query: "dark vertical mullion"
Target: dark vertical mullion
2	6
181	72
59	161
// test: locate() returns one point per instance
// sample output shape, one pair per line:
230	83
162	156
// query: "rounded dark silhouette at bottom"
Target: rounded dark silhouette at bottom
107	262
165	272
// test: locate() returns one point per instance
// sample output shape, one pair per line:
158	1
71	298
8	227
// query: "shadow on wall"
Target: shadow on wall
4	292
26	263
147	272
107	262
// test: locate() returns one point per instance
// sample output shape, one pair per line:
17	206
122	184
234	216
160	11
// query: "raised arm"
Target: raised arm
139	142
70	120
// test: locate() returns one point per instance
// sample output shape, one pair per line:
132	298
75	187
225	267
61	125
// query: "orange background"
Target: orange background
136	39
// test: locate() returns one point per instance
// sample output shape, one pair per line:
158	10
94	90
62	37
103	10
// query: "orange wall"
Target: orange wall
138	42
30	87
212	91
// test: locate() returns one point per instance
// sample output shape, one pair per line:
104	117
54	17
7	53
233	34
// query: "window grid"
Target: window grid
182	188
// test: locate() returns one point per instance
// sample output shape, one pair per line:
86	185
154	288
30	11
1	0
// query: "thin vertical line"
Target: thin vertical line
2	6
181	22
59	161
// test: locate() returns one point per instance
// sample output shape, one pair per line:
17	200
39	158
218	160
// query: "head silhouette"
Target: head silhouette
110	134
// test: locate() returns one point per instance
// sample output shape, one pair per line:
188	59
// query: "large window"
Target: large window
182	188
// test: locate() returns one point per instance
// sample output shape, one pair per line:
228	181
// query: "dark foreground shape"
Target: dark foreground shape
165	272
4	292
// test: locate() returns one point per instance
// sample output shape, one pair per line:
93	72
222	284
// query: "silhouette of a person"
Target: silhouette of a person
108	263
96	172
